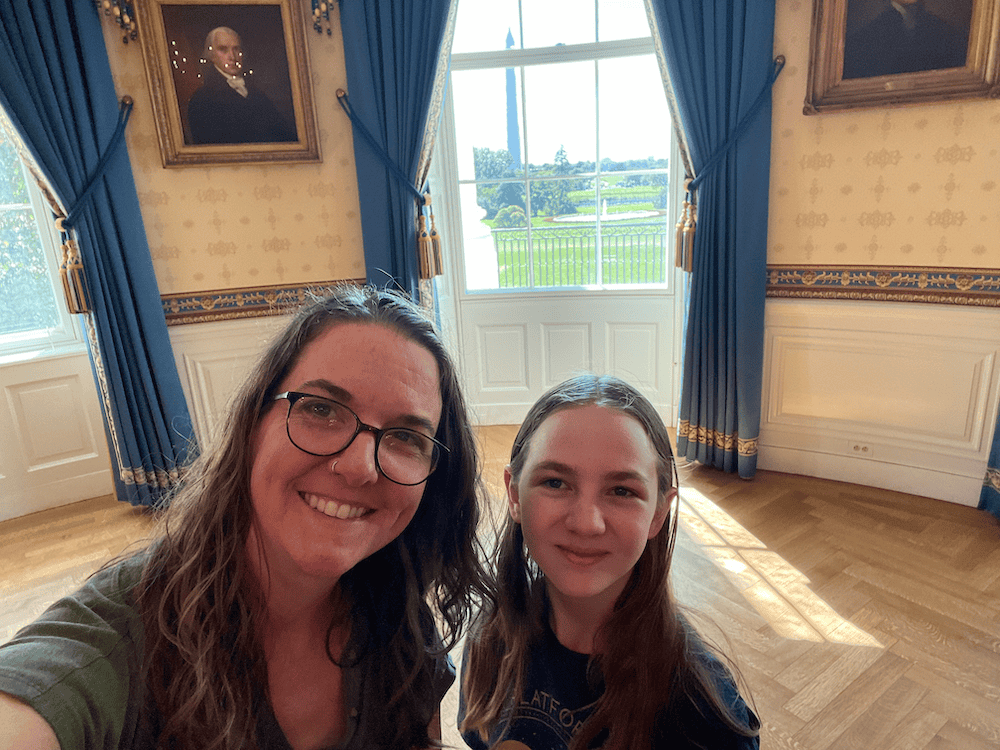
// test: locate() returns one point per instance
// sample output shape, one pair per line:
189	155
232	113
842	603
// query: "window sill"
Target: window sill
55	351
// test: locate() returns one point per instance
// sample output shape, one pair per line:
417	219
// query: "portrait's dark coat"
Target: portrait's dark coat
887	46
218	113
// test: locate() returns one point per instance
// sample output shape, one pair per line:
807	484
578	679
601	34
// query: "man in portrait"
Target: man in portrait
228	108
904	36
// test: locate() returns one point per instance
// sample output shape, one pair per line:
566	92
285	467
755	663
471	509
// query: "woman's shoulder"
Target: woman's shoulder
77	664
104	601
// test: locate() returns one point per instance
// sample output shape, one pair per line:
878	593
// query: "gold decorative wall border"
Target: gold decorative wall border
246	302
973	287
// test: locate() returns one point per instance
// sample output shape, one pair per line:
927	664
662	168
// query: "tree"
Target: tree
562	161
493	165
490	164
510	217
551	197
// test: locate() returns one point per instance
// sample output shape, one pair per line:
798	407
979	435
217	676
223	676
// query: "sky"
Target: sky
632	117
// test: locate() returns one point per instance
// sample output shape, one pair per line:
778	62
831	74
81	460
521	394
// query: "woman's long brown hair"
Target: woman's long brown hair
204	661
648	660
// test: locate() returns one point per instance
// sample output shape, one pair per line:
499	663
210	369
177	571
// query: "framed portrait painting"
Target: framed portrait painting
229	81
873	53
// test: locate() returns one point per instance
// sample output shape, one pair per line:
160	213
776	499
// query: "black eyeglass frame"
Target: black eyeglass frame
293	396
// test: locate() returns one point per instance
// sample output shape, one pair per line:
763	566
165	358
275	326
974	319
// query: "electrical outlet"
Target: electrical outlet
862	450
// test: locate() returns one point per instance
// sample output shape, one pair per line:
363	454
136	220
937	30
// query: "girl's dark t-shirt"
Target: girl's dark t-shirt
558	698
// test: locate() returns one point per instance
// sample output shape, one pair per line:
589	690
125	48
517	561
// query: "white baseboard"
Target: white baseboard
58	493
939	485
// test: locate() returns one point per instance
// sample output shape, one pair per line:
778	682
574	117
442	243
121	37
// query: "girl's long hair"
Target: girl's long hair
648	658
199	601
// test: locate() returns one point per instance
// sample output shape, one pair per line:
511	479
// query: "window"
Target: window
563	140
32	310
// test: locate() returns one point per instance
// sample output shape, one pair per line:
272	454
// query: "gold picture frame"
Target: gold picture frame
261	113
867	53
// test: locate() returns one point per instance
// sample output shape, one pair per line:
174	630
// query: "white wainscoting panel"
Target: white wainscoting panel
53	449
633	348
892	395
51	422
502	357
212	361
514	347
567	351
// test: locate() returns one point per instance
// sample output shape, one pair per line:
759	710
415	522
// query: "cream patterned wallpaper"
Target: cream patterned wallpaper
248	226
891	187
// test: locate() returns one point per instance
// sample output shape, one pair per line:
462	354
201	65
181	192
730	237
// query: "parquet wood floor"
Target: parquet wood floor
862	619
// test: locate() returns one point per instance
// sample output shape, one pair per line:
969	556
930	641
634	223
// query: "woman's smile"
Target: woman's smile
332	508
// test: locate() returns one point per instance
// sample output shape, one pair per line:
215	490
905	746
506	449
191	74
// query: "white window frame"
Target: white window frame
448	173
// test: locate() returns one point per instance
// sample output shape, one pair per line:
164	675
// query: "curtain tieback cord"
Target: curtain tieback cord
71	268
687	221
428	239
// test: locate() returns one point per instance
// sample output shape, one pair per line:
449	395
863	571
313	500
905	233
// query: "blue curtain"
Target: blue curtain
391	50
56	87
718	55
989	499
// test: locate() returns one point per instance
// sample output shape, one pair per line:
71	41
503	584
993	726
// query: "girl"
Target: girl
585	645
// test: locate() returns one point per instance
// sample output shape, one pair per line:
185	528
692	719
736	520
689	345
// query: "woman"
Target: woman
284	603
585	646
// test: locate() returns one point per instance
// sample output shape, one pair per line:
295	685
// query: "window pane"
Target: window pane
477	237
633	251
621	19
548	23
563	254
635	121
13	189
561	116
483	26
488	140
560	198
27	300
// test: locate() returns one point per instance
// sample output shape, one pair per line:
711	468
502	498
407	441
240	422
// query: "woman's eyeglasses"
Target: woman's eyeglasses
324	427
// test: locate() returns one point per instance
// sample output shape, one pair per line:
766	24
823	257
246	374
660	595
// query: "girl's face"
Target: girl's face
587	502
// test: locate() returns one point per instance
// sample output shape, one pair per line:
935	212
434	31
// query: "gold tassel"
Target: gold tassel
428	242
436	261
423	244
686	226
690	224
679	236
73	281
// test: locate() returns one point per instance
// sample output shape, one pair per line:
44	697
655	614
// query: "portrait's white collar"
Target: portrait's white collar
237	83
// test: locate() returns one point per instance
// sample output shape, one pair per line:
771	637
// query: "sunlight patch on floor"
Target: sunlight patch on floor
778	591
